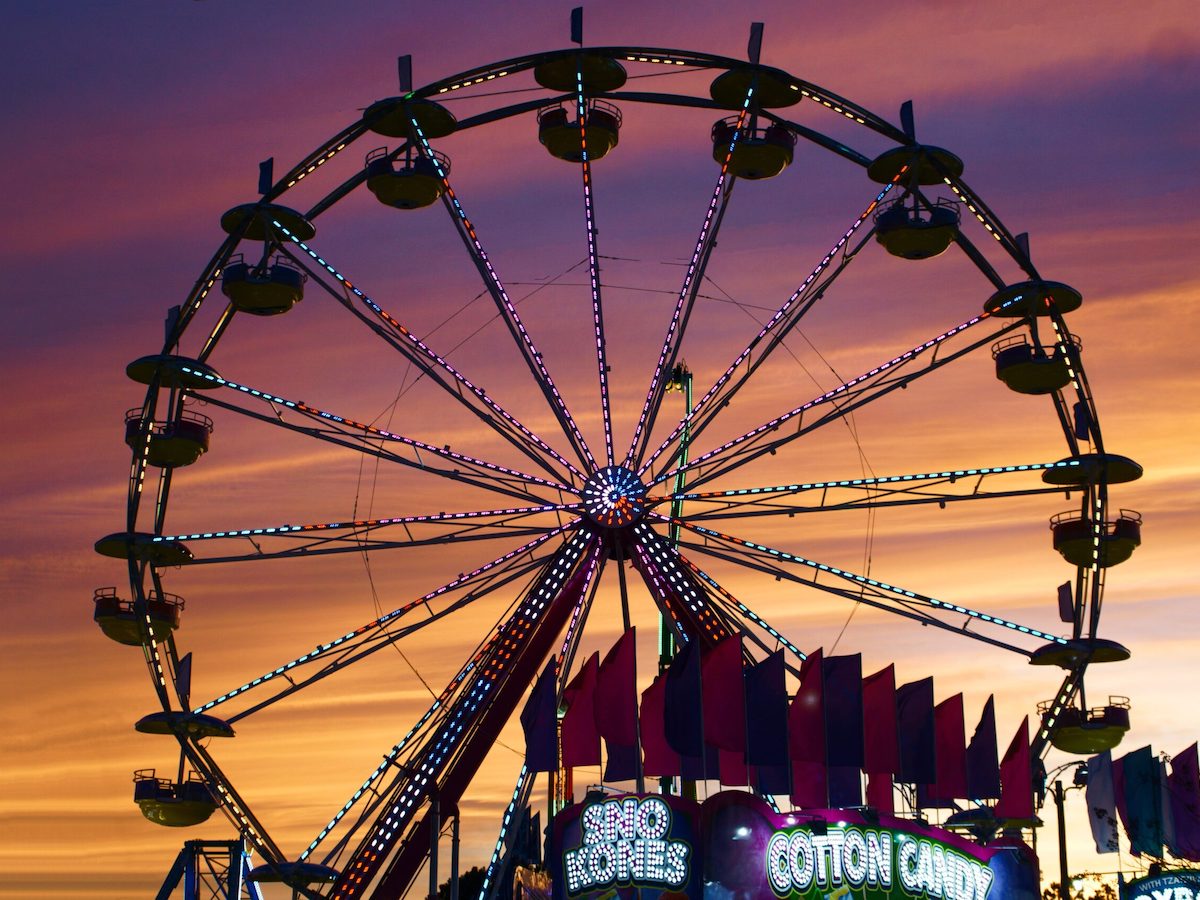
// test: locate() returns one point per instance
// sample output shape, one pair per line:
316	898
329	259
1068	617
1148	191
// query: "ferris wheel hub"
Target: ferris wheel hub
614	497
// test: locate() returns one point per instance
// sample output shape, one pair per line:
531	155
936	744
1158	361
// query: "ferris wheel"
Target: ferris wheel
634	473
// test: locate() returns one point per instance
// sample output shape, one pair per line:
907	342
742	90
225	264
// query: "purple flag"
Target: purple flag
539	719
843	711
914	725
1066	602
767	712
983	765
1102	803
1184	784
845	787
682	710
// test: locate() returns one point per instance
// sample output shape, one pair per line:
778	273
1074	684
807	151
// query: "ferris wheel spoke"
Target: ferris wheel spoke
505	306
363	437
448	759
585	167
480	581
370	785
680	597
361	535
868	590
864	493
430	363
692	279
879	381
777	328
231	802
741	610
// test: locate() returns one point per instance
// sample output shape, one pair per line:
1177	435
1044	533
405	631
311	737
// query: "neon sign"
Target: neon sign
849	856
626	840
1180	885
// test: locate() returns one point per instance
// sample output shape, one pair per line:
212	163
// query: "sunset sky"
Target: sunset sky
131	127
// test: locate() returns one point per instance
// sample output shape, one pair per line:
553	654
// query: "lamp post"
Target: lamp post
1078	781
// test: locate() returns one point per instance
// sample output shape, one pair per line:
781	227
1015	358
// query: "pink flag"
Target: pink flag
806	737
882	750
734	771
659	758
580	738
616	692
806	717
1016	778
950	730
810	788
724	698
879	793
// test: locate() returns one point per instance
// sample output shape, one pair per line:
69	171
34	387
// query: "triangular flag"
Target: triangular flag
842	676
914	726
1016	778
951	738
806	716
539	720
767	712
659	757
616	692
724	696
983	765
881	752
580	738
1184	784
682	710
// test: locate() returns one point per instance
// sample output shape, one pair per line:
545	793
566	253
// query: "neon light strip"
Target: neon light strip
593	264
438	703
380	312
435	755
365	523
659	588
523	777
371	429
490	76
836	392
690	275
862	579
778	317
974	210
829	104
502	294
869	482
742	607
322	649
321	160
667	564
504	824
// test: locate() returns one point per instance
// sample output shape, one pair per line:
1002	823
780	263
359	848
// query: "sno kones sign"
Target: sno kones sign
735	846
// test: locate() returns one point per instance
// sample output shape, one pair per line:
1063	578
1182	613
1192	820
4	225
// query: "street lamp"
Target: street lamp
1078	781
